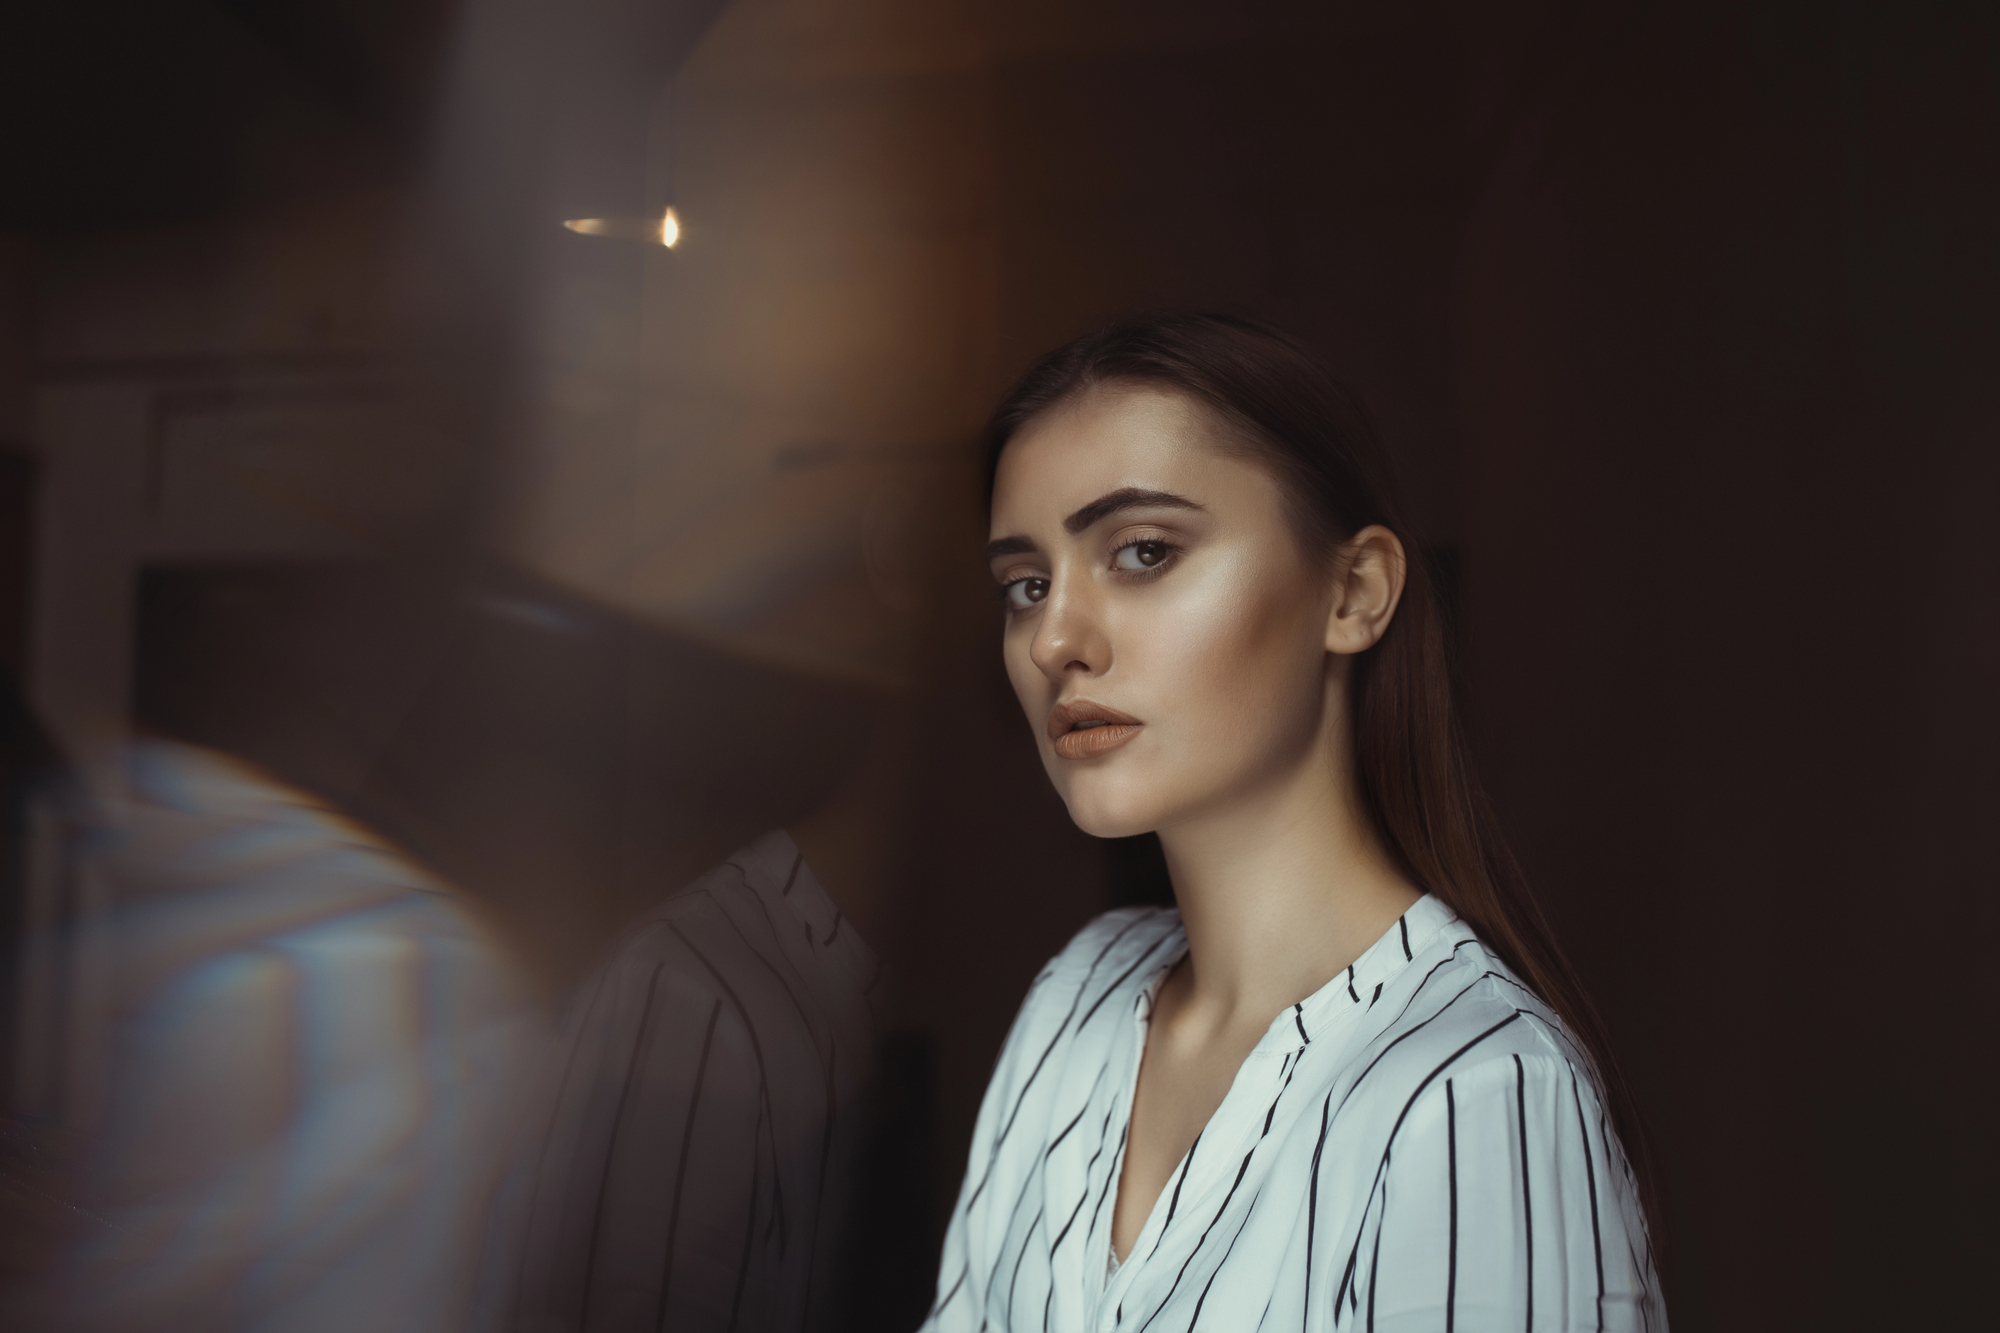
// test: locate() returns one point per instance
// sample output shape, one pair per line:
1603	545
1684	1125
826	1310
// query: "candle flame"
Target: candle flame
663	230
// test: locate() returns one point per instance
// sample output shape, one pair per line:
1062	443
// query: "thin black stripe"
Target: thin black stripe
1376	996
1015	1280
1383	1054
777	1222
1572	1053
1312	1199
792	878
825	1160
1403	924
1275	1100
1027	1185
770	922
1590	1182
1050	1049
1112	989
784	984
1354	1254
749	1222
1299	1017
1085	1196
640	1043
1056	1142
1527	1204
1187	1164
1062	1235
1203	1240
805	1014
1354	994
1375	1258
763	1078
542	1158
1109	1176
1424	985
1203	1298
680	1173
1340	1293
944	1300
1451	1168
1404	1113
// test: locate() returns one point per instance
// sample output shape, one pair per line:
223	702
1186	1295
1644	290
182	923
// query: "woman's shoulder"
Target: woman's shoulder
1109	954
1456	1005
1115	941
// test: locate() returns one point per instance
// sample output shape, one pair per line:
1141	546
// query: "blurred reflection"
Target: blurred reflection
308	1056
697	1172
313	1048
37	1206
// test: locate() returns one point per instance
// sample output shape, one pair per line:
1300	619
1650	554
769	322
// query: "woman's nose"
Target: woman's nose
1070	636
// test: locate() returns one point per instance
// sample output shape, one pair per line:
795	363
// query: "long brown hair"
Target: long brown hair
1411	752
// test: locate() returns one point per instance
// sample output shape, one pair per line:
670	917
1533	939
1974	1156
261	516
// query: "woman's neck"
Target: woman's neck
1279	892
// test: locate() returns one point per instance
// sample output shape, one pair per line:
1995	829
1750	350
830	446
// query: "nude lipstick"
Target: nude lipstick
1081	729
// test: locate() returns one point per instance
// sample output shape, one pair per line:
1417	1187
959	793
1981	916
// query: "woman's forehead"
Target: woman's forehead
1102	440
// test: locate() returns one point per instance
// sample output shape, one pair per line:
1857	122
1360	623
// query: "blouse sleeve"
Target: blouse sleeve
961	1290
1506	1204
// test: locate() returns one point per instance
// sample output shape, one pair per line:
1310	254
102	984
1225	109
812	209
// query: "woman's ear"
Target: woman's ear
1368	573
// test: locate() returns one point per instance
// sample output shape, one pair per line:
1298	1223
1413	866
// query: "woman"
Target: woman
1350	1082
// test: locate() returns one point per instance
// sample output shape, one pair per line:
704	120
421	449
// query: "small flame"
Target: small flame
663	230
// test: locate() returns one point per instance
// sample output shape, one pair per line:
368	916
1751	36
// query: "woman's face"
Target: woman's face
1166	635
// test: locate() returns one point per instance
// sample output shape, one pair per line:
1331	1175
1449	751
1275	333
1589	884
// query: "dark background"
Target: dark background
1686	322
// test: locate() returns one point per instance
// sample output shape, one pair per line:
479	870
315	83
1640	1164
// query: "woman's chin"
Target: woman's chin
1112	819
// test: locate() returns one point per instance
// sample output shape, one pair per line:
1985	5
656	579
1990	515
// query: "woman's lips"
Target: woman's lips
1081	729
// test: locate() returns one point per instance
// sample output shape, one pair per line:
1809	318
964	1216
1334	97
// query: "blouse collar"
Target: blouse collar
775	870
1354	989
1357	986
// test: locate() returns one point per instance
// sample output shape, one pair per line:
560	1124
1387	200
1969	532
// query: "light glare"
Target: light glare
663	230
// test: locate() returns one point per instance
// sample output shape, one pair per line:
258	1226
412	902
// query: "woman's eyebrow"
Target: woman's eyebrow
1129	497
1010	546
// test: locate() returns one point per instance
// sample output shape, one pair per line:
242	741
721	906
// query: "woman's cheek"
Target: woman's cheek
1240	651
1022	673
1212	634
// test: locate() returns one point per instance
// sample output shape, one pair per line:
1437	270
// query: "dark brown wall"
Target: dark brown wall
1734	569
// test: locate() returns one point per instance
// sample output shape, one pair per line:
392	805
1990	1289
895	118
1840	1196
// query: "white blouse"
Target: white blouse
1418	1146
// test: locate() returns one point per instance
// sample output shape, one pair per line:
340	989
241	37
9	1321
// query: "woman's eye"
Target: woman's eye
1024	593
1140	556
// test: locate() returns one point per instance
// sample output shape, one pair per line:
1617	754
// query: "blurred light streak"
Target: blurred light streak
663	230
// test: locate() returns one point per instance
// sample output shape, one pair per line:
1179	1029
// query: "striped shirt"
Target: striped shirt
1417	1146
700	1154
